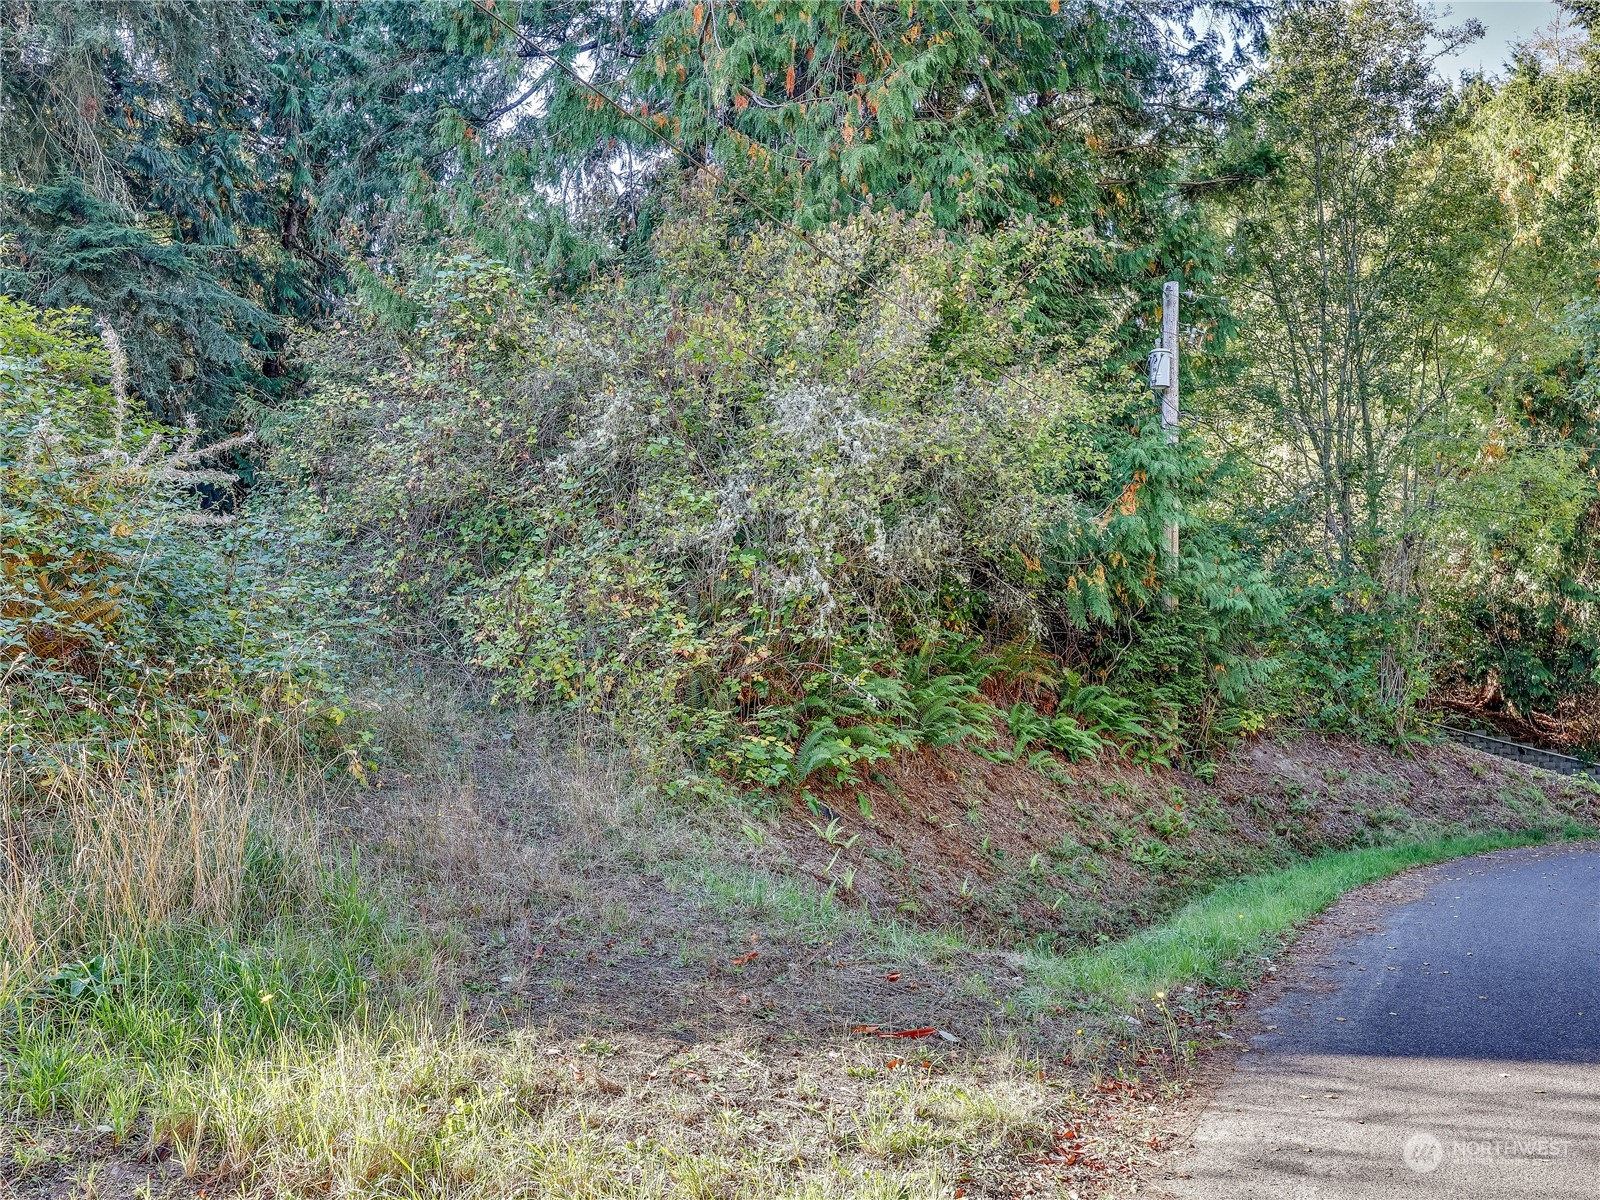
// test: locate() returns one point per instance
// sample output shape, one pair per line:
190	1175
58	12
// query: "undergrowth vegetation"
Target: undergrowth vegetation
135	606
511	644
783	514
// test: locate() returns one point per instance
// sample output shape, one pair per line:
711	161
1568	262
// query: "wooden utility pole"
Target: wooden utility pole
1169	393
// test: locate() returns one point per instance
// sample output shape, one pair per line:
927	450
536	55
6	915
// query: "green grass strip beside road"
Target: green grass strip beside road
1215	939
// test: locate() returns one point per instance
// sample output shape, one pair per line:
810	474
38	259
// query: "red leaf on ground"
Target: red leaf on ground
909	1033
747	958
865	1028
892	977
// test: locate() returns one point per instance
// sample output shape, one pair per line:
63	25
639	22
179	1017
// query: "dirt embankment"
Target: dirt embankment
1074	854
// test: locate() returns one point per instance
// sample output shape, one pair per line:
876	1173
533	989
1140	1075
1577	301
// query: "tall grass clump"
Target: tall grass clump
164	902
154	835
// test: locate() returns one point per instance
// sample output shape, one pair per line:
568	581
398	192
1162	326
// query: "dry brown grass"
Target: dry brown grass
617	994
109	849
498	806
581	1034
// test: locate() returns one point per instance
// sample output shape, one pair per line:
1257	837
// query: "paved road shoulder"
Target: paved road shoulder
1437	1034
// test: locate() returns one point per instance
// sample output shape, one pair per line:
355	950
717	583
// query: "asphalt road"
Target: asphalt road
1452	1052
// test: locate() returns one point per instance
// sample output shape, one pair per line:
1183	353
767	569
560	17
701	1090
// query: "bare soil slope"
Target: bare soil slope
1010	854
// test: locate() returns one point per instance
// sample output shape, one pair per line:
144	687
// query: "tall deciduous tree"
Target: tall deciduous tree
1525	591
1375	275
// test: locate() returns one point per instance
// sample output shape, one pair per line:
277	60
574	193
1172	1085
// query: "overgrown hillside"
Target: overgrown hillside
584	603
777	518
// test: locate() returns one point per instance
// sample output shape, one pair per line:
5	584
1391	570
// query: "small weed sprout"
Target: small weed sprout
833	834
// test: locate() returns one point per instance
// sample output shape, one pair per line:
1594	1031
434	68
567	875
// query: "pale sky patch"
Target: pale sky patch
1507	22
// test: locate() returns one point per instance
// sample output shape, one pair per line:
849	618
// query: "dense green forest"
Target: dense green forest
758	387
768	366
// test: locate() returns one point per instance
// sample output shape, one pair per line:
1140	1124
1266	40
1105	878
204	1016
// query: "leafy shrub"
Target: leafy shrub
766	505
128	594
